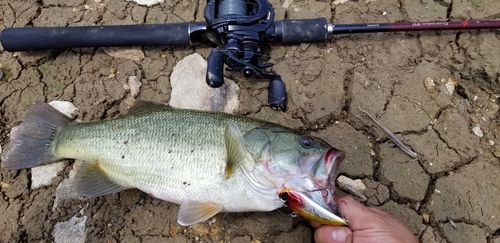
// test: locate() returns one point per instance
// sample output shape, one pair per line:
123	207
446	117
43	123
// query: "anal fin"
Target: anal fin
191	213
92	181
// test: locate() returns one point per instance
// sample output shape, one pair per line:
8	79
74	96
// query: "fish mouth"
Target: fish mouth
316	202
333	159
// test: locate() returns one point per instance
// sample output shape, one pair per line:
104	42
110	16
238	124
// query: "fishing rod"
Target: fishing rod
240	29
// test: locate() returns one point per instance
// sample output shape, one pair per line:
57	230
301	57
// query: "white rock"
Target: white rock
355	187
429	84
190	90
72	230
337	2
0	149
43	175
450	85
287	3
65	189
135	85
65	107
477	131
131	53
146	2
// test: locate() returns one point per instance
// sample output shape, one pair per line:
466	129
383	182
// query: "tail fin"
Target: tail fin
31	143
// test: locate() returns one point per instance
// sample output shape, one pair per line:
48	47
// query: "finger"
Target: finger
356	213
333	234
315	224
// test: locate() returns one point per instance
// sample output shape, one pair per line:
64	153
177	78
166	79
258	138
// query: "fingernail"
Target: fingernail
339	235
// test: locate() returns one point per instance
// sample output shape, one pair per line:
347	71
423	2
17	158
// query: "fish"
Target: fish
205	162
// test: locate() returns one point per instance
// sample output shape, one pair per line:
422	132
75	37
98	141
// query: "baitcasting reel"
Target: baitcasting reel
239	29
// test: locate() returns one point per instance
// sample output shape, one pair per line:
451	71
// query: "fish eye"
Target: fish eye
306	141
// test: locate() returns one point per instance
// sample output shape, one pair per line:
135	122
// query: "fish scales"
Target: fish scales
176	155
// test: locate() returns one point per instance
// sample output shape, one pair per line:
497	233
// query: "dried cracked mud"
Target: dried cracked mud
449	194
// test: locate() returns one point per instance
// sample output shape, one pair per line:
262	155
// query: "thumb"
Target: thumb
333	234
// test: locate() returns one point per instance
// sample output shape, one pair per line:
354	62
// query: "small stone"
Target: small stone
337	2
426	217
477	131
287	3
355	187
135	85
3	186
146	2
72	230
131	53
65	107
429	85
44	174
450	85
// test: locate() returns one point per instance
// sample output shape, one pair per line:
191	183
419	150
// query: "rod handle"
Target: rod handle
300	30
41	38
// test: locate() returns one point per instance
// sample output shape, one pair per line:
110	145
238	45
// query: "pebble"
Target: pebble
477	131
429	85
65	107
135	85
146	2
450	85
287	3
355	187
337	2
44	174
426	217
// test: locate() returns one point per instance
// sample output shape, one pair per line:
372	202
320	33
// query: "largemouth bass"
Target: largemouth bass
205	162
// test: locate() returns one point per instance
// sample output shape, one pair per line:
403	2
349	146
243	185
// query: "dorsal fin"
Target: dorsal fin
141	106
235	149
92	181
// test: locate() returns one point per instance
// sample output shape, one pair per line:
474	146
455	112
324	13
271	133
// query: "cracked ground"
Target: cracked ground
449	194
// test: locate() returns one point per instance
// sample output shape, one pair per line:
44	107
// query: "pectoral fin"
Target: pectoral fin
192	213
235	148
92	181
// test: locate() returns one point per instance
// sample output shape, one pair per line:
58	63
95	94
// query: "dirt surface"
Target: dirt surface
449	194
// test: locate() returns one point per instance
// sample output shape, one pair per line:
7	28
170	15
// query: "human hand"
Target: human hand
366	224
